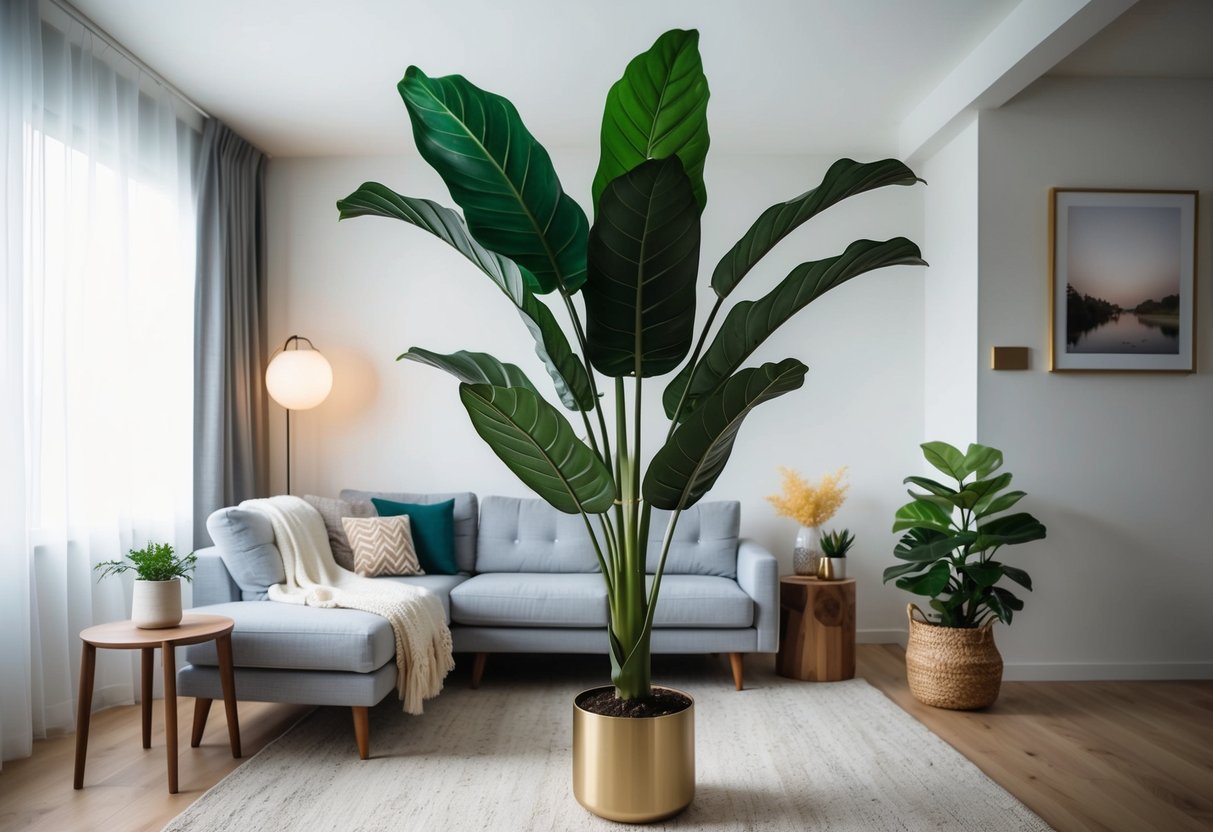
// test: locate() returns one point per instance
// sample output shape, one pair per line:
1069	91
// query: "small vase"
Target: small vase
156	604
806	557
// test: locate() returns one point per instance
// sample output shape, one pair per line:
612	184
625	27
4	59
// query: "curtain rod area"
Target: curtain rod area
83	19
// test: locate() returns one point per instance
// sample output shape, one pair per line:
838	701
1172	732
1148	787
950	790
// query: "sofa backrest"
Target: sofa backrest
528	535
705	540
466	517
245	541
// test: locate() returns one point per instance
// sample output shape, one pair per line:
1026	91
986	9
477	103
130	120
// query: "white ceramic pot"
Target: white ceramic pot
156	604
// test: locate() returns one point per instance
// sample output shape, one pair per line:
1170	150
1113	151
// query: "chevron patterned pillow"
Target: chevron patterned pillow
382	546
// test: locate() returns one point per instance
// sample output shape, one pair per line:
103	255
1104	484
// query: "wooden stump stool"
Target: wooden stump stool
816	629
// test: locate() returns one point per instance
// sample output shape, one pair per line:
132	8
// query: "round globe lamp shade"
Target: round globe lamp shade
299	379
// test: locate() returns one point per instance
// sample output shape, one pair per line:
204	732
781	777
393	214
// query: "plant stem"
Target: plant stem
605	456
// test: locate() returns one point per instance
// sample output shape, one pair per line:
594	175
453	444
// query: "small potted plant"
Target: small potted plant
156	602
951	538
834	548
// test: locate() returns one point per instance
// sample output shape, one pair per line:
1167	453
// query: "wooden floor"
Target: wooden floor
1131	756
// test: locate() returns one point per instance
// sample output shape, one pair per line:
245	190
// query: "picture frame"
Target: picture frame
1122	280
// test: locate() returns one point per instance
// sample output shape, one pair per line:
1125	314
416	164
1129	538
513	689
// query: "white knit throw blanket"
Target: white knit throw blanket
423	640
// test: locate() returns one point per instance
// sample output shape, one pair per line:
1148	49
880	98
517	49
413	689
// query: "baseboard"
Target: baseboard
1105	671
1071	671
881	637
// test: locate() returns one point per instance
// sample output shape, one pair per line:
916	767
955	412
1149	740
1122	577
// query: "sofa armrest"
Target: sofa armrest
758	576
213	584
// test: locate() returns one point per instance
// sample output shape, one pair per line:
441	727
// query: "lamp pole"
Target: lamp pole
297	379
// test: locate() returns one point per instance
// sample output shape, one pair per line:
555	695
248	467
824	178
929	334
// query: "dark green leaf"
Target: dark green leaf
936	488
1008	531
656	110
914	538
749	323
982	460
471	367
845	178
938	548
687	466
947	459
1000	610
568	373
902	569
539	446
1018	576
992	504
922	514
644	256
982	489
983	574
500	176
930	584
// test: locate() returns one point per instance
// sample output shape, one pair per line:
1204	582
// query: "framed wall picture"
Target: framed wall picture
1122	280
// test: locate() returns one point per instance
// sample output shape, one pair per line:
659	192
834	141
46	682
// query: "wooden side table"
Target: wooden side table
123	635
816	629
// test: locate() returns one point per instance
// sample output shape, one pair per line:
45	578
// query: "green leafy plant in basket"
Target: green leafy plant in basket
627	284
837	544
953	534
155	562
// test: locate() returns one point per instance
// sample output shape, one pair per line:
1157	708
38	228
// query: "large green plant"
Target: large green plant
952	535
635	271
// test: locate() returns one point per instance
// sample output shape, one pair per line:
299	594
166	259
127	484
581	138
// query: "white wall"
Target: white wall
950	211
365	290
1116	466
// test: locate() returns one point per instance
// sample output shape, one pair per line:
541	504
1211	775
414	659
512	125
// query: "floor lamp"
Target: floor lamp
297	379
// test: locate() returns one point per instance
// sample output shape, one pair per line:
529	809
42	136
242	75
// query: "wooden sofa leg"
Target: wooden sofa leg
202	709
738	670
478	662
362	731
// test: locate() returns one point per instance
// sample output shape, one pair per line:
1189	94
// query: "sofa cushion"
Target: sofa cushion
528	535
433	532
530	599
382	546
440	585
705	540
466	517
702	601
333	510
270	634
245	541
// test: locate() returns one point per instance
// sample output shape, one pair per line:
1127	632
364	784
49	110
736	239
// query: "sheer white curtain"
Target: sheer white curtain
98	233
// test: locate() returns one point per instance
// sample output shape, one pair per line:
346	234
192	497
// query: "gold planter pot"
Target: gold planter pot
633	770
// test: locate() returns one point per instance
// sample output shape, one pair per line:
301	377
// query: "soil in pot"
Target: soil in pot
662	703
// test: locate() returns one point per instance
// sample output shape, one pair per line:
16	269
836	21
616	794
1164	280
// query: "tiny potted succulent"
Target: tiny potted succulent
834	548
951	537
156	602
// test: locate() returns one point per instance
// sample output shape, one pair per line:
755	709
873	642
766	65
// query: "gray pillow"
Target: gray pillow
332	510
245	540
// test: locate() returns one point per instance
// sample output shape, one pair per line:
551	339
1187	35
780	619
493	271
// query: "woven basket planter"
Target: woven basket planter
952	667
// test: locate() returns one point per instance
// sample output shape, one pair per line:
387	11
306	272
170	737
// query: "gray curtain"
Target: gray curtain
231	429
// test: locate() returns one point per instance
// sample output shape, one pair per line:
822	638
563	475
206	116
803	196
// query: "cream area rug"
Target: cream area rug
780	755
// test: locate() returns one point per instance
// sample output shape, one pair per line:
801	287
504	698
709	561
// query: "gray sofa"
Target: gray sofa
528	583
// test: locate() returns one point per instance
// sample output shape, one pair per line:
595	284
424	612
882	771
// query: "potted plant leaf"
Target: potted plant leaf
834	548
627	285
156	600
952	535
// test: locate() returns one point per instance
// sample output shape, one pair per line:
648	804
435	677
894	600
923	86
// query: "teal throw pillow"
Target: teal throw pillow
433	529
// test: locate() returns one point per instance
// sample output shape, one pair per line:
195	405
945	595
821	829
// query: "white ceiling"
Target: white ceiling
1153	39
317	77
